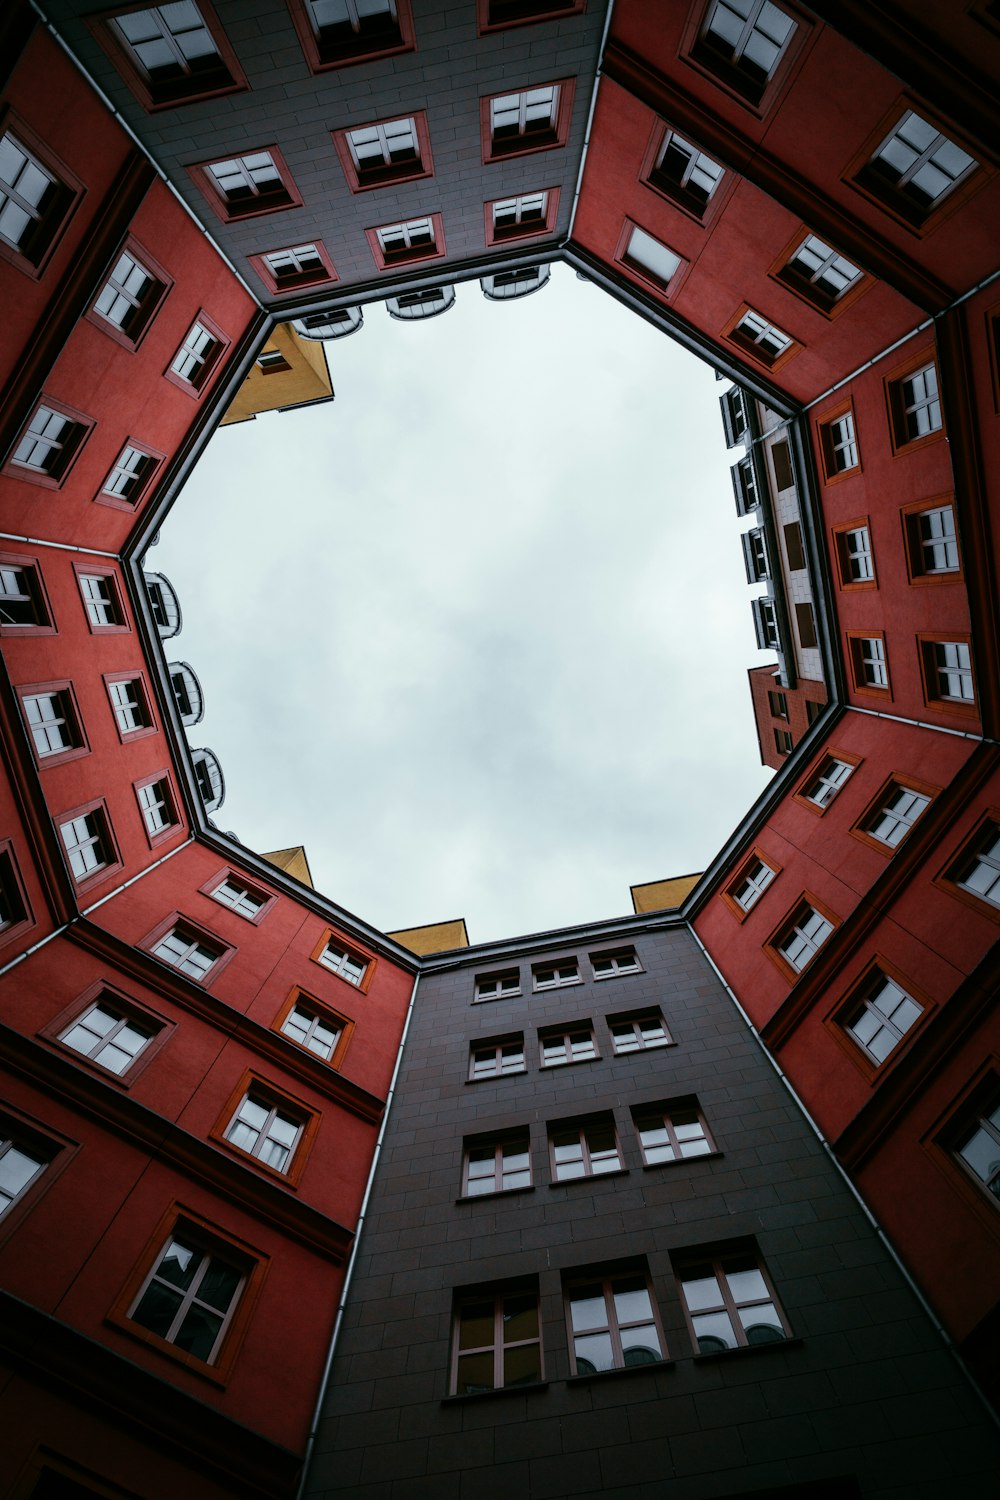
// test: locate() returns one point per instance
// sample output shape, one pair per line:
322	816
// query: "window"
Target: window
22	603
827	782
610	965
813	711
157	806
758	569
20	1164
295	266
496	1166
979	873
818	274
49	445
784	742
915	168
108	1036
751	883
800	940
130	296
241	898
173	53
931	542
163	604
896	816
745	486
87	841
651	260
183	948
494	1059
129	705
497	1341
839	445
586	1149
187	693
191	1294
208	778
52	722
915	406
14	912
335	33
761	339
494	14
868	662
130	476
498	986
410	240
729	1302
777	703
570	1045
518	281
781	463
612	1323
882	1018
426	302
536	119
100	600
733	404
765	623
684	174
263	1129
671	1132
517	218
314	1027
978	1148
555	976
742	42
240	187
387	151
638	1033
854	555
805	624
947	667
344	962
194	362
35	200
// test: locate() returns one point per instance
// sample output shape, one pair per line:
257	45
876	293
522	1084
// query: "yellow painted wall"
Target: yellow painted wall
436	937
662	895
293	861
307	379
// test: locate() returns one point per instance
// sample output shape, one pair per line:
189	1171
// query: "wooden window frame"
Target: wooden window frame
497	1140
278	286
145	89
535	230
772	944
355	950
199	933
828	753
55	220
151	302
750	348
963	708
367	179
64	689
321	56
96	807
727	892
132	502
344	1025
839	1017
551	140
783	271
275	200
254	1086
83	426
913	543
854	657
13	887
158	1025
103	570
177	1221
897	782
824	444
389	260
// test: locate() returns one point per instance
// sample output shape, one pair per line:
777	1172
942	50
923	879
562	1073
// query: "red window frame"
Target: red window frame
854	640
355	951
727	893
209	367
264	1091
545	140
120	626
323	55
278	283
159	1027
640	272
388	260
274	200
146	478
228	78
792	918
785	271
501	15
83	426
13	889
364	179
750	347
197	933
177	826
914	544
63	689
35	592
97	808
150	303
343	1024
535	228
54	219
128	735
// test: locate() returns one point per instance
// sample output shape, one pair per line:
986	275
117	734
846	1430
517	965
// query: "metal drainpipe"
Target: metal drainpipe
341	1305
36	541
961	734
880	1232
590	122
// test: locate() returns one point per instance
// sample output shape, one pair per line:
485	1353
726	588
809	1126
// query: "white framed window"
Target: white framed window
883	1018
610	965
20	603
498	986
517	117
241	179
195	357
816	266
894	820
556	976
650	255
128	703
168	41
19	1166
262	1129
26	194
350	966
937	543
86	842
131	470
496	1166
182	950
240	898
377	146
528	210
587	1149
841	444
755	558
126	293
729	1302
50	722
919	165
762	338
685	172
870	656
638	1033
48	443
296	260
978	1148
575	1044
413	234
765	622
157	806
99	599
803	939
752	884
312	1029
857	555
190	1296
919	405
613	1323
980	874
495	1059
828	781
952	671
672	1132
107	1036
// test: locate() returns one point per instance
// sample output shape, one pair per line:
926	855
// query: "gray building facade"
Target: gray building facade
605	1254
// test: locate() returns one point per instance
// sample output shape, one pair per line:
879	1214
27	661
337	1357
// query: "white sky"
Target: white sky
477	633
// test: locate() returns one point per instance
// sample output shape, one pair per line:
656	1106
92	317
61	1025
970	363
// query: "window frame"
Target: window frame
864	177
52	1151
221	876
150	302
552	139
497	976
520	1139
298	998
677	193
159	1027
578	1130
542	10
900	441
163	779
209	366
964	708
914	543
110	575
786	273
858	661
364	179
196	933
96	809
635	1018
741	876
565	1032
715	1258
323	56
751	348
13	891
126	736
210	1239
353	949
388	260
275	200
817	772
977	1101
63	689
498	1293
146	478
497	1045
605	1277
827	448
54	220
663	1111
535	229
897	782
253	1088
117	48
806	906
667	288
839	535
556	983
858	998
35	594
80	431
726	75
984	836
612	955
278	285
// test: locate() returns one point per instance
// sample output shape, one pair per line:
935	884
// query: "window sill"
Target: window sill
496	1077
494	999
621	1371
546	989
744	1349
588	1177
681	1161
497	1193
500	1390
573	1062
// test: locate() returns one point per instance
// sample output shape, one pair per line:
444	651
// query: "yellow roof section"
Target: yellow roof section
296	375
663	895
435	937
293	861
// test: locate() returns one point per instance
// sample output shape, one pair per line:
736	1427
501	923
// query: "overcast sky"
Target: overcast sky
477	633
